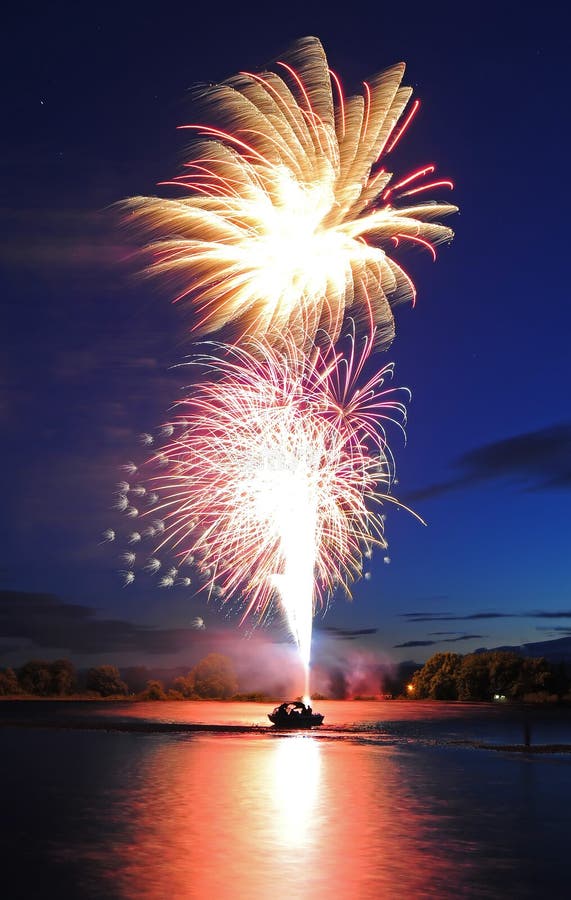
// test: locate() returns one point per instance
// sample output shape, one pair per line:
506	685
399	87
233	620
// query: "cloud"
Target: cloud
345	634
415	644
464	637
539	460
549	614
555	629
451	640
414	615
46	622
72	239
448	617
480	616
438	633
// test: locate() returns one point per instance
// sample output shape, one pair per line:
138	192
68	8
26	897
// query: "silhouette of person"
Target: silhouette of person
527	733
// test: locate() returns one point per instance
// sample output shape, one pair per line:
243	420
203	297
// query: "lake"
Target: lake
388	800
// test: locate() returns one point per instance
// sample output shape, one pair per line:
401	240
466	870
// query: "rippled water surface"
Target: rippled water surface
382	803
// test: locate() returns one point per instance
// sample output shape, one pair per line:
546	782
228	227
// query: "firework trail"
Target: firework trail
278	466
271	478
288	218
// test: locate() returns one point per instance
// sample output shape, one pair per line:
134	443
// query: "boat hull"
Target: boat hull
296	723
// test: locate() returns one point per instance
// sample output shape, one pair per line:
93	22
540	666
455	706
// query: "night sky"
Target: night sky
91	100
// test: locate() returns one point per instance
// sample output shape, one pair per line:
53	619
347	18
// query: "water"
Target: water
382	804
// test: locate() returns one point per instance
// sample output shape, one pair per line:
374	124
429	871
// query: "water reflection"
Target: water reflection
295	768
153	817
290	816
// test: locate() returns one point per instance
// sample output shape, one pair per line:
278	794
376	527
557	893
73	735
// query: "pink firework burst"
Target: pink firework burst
278	467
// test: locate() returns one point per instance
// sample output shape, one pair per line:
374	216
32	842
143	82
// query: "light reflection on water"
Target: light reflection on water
227	817
295	780
265	817
297	818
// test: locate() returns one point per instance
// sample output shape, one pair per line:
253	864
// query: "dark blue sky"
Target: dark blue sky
90	105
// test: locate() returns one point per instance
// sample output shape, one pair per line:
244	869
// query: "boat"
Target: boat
294	714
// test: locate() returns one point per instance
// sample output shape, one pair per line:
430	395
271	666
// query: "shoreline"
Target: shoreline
145	727
118	698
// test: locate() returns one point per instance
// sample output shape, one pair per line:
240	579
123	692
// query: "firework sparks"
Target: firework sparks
276	475
271	479
288	218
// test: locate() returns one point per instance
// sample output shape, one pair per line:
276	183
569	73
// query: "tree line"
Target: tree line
445	676
496	674
212	678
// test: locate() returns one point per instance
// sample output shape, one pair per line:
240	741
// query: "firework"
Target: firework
271	478
277	470
288	217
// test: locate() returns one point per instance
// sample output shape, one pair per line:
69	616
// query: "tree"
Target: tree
437	678
106	681
46	679
479	676
184	685
8	683
63	678
473	680
174	695
35	677
154	691
535	677
505	669
559	680
214	677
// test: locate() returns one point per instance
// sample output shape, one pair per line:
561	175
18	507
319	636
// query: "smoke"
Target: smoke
338	684
352	674
265	664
